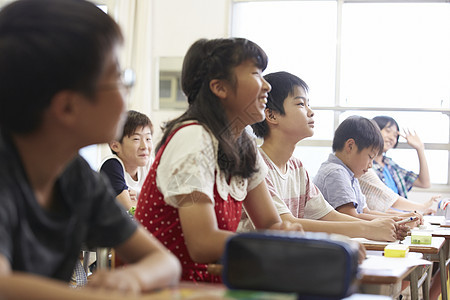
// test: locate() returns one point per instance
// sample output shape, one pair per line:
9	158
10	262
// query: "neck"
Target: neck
379	159
44	159
278	150
133	171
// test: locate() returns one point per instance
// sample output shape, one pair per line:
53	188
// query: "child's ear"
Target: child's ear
270	116
218	88
65	107
115	146
350	144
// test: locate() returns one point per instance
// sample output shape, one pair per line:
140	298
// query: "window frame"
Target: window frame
337	109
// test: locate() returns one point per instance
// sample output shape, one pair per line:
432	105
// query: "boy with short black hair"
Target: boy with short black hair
356	142
130	161
289	119
60	90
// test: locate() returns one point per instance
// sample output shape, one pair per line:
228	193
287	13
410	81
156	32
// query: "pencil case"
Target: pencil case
312	265
421	237
396	250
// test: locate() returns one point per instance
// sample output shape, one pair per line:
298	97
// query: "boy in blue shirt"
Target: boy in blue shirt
356	142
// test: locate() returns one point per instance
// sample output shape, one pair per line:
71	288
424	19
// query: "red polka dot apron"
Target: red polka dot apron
163	222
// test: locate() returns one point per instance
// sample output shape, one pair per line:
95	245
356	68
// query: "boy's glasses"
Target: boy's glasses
125	82
127	78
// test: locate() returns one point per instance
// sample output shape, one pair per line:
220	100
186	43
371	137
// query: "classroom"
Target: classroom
364	58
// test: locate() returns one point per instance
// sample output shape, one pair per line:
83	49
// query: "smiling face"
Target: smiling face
297	122
134	150
244	103
360	161
390	136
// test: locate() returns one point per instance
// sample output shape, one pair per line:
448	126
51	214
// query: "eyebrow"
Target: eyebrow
145	133
301	97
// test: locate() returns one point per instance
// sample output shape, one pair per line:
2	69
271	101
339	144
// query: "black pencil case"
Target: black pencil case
313	265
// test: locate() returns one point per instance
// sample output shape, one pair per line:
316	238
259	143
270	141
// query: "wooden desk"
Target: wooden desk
191	291
443	232
384	275
434	252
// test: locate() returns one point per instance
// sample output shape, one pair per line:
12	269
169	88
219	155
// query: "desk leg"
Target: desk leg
86	256
102	258
426	283
443	269
413	283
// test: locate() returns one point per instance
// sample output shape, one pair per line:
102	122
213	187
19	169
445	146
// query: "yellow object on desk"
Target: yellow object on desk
396	250
420	237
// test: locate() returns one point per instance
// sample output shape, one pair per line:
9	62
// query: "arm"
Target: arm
204	240
261	210
423	181
114	170
124	198
382	229
405	204
349	209
150	266
18	286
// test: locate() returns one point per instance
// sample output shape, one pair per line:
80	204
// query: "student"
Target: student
60	91
207	166
396	178
289	119
380	197
130	161
356	142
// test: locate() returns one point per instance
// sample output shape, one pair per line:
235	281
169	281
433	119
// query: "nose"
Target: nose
310	111
143	144
266	85
370	164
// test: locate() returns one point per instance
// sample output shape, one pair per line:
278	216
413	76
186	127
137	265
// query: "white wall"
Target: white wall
179	23
162	28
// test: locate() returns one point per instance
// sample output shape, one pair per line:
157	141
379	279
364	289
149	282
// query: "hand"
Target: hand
133	196
411	224
429	211
287	226
430	202
402	231
412	139
119	280
382	229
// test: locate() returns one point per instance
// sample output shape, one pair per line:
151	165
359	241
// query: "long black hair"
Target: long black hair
216	59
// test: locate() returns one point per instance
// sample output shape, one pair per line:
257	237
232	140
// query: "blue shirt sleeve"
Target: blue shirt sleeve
337	189
113	169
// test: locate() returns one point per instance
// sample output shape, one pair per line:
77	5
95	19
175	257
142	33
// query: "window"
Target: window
362	57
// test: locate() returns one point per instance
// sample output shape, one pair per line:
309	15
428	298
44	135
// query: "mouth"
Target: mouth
311	124
263	100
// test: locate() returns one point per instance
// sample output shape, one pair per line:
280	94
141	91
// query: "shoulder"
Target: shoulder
80	174
192	131
295	163
193	139
112	163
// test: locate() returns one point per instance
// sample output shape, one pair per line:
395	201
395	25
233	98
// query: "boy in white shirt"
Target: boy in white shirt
289	119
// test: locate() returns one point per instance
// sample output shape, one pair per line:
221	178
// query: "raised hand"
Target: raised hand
412	139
